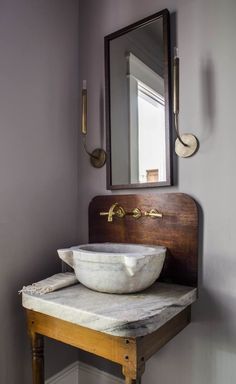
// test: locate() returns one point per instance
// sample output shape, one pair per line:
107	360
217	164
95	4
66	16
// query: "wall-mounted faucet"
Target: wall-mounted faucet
118	211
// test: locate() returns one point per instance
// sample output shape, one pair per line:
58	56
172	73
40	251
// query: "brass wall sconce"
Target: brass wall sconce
187	144
98	156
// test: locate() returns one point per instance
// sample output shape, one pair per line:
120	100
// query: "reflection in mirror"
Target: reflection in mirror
137	85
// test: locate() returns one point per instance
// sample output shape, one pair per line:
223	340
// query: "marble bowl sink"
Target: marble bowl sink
115	267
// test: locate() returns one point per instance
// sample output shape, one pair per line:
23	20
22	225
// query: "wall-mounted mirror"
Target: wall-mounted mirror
137	71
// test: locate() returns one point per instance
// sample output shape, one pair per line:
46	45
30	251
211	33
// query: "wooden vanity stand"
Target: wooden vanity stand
178	231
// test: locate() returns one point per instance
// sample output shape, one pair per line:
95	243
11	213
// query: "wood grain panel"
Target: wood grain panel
110	347
177	229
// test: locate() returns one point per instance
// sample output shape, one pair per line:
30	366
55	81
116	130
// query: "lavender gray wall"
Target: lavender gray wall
38	163
204	353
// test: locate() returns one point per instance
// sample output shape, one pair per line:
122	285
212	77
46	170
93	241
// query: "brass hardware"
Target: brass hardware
190	145
176	84
187	144
84	110
98	156
115	210
118	211
153	213
135	213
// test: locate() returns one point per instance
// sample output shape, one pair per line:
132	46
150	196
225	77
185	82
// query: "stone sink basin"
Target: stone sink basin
115	267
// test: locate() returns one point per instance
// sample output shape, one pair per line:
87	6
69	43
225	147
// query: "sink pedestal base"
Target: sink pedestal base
130	352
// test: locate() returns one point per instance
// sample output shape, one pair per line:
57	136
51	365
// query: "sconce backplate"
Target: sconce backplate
189	149
98	157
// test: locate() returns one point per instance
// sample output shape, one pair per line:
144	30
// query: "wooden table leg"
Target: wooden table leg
132	376
128	380
37	358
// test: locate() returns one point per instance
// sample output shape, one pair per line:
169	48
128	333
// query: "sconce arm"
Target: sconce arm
86	150
176	124
98	156
185	145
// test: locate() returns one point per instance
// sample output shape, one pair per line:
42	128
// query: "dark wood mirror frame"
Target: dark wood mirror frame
164	14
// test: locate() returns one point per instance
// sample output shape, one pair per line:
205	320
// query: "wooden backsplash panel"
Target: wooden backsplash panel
177	229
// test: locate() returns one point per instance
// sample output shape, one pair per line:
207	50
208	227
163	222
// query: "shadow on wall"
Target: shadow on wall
208	95
214	343
100	363
213	339
218	315
209	307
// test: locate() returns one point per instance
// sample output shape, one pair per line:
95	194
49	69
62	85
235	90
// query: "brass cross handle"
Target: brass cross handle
153	213
115	210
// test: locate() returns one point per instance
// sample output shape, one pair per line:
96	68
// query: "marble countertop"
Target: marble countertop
130	315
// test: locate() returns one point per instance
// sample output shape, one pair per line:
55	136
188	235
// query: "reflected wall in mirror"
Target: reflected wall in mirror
137	70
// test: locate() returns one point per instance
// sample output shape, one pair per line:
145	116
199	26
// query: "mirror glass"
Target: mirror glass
137	104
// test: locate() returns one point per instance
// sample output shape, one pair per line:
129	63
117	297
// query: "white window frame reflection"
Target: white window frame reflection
142	79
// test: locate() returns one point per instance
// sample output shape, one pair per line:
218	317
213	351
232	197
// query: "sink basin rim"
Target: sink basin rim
132	250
